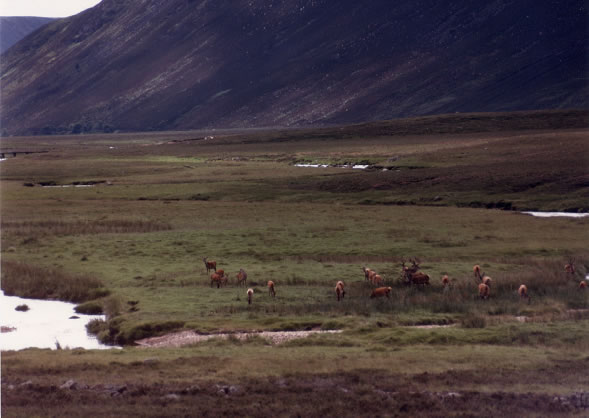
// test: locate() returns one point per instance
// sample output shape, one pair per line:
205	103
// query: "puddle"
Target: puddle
554	214
355	166
180	339
45	323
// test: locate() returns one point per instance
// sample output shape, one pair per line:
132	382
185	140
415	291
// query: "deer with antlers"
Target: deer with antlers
569	268
412	275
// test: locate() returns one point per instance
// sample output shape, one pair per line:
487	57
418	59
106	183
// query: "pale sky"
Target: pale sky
44	8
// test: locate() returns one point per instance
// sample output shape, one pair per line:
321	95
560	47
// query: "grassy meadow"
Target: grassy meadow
130	239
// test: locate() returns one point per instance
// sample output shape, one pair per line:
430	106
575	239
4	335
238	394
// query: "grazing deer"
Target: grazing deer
484	291
377	280
210	265
523	292
217	279
271	290
477	272
486	280
241	277
381	291
250	295
445	281
339	290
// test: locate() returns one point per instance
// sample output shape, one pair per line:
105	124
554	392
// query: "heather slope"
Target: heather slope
179	64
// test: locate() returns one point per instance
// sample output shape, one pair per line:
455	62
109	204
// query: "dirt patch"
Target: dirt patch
179	339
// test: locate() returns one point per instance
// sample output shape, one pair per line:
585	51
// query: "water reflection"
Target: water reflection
46	323
553	214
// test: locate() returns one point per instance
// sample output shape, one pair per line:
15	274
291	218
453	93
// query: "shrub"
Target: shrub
89	308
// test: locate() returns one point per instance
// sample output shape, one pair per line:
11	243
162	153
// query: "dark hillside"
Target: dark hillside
14	28
182	64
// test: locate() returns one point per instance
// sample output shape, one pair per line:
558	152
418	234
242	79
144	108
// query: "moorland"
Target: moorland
447	191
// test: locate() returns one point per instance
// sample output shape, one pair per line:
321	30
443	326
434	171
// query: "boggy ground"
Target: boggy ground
212	380
131	244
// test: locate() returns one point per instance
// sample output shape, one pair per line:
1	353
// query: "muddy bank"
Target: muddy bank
179	339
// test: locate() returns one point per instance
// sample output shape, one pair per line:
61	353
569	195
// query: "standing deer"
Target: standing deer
210	265
250	295
413	276
241	277
217	279
271	290
367	272
445	281
339	290
523	292
484	291
569	268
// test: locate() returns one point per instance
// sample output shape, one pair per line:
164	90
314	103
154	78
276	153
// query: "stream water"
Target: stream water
46	324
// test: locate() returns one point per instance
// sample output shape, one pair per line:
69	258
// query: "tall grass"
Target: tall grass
24	280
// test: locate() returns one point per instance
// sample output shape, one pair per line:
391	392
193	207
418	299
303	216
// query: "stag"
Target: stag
569	268
412	275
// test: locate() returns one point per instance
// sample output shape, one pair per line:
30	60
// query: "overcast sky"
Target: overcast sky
44	8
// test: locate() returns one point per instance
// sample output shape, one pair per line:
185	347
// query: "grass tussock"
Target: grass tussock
28	281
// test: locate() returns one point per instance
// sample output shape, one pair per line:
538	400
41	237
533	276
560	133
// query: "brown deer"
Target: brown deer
445	281
477	272
381	291
583	285
210	265
217	279
250	295
367	272
271	290
413	276
569	268
241	277
339	290
484	291
523	292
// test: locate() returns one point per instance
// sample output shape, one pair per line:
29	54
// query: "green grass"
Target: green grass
132	247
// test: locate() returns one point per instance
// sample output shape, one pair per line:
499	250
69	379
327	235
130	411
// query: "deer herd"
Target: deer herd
410	275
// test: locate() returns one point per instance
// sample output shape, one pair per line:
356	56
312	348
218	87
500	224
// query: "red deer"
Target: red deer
241	277
583	285
377	280
339	290
224	280
569	268
487	280
381	291
217	279
445	281
210	265
477	272
523	292
413	276
271	290
250	295
366	273
220	272
484	291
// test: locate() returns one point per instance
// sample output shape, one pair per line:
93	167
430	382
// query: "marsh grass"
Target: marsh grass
28	281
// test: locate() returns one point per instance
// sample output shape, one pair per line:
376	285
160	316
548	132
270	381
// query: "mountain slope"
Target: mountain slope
14	28
182	64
